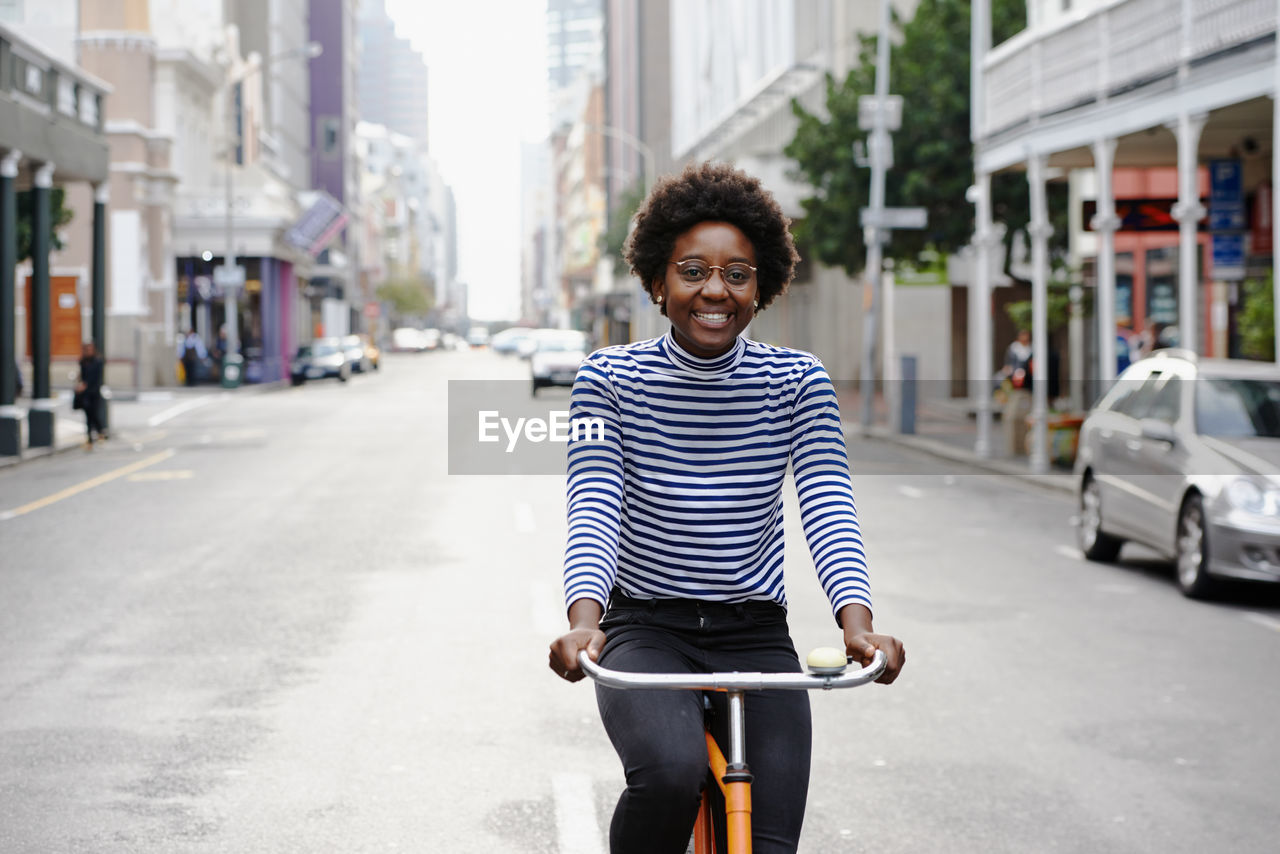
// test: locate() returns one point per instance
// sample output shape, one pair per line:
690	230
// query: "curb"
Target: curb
1061	482
29	454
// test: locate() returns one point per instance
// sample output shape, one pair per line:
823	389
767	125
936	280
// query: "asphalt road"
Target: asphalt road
274	622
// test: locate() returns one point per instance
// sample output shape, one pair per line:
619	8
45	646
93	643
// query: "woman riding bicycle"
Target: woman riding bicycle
674	559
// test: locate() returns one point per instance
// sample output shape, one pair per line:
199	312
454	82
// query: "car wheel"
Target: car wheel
1094	543
1193	549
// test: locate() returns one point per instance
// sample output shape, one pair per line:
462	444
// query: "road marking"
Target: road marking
576	826
1263	620
174	411
911	492
163	474
525	523
1067	551
87	485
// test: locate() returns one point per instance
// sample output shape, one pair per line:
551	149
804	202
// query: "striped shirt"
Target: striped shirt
677	490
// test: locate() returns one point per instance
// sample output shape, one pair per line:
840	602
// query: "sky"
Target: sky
487	93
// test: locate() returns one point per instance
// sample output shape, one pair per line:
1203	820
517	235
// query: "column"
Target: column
1040	231
1105	223
10	415
98	281
986	238
40	418
1188	212
1275	185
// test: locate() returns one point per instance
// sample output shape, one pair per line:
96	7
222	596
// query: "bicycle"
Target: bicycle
826	672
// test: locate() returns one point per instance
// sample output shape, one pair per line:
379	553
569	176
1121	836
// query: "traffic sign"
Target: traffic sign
228	277
890	218
869	105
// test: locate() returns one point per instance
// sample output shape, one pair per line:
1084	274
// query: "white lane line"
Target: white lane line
1067	551
576	828
547	602
911	491
525	523
1262	620
174	411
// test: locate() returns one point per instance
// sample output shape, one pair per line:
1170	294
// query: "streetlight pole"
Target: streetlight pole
232	277
874	234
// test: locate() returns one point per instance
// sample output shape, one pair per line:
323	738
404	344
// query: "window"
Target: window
1166	405
1237	408
329	135
1138	403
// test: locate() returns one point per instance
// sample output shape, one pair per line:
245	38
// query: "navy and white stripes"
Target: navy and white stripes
683	496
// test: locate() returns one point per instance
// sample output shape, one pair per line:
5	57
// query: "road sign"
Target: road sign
869	105
890	218
372	310
228	277
1228	257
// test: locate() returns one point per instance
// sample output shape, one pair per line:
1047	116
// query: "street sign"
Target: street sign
1228	257
1226	195
869	105
372	310
228	277
890	218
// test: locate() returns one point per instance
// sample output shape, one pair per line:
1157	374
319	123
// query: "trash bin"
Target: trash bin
231	366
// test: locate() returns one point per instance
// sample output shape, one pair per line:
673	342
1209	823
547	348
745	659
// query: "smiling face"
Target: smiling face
707	317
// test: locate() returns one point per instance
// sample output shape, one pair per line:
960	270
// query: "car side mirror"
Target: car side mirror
1160	431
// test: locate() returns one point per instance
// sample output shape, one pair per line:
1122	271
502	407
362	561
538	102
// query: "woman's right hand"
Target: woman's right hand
563	658
584	633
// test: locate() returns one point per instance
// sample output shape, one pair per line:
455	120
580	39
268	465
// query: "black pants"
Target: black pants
93	414
659	733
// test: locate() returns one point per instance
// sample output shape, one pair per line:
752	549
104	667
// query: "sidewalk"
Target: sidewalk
128	412
946	428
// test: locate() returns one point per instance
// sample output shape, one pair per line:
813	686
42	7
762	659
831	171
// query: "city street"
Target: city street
273	622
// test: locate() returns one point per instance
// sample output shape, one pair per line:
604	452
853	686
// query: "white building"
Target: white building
1140	85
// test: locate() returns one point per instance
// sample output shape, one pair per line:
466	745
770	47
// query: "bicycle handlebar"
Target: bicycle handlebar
734	681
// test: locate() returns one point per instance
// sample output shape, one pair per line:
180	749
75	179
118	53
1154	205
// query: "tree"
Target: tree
1256	321
409	295
615	236
59	216
929	67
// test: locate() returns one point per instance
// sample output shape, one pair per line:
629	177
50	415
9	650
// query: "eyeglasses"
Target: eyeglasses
736	276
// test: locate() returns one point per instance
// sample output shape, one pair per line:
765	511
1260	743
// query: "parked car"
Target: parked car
1182	455
556	357
322	358
353	349
506	341
478	336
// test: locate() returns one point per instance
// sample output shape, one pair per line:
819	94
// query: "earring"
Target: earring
658	299
755	303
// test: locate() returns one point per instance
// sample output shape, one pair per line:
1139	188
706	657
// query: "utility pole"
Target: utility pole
873	235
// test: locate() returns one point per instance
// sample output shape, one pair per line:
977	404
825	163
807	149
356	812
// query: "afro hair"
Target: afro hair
712	192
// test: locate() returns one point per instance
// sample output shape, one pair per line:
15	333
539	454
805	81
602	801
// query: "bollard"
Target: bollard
908	396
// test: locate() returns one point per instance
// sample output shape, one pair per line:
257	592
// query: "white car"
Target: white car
555	357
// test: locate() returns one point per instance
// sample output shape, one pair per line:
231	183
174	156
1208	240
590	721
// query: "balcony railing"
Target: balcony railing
1109	50
30	76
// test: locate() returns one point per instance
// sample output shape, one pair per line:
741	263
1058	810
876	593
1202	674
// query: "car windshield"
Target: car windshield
1238	408
323	349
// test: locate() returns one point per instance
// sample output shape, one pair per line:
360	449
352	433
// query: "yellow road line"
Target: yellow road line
88	484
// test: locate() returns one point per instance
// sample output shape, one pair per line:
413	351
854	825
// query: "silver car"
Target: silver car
1182	455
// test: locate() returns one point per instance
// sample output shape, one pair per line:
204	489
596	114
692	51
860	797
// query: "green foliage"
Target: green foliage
1256	321
1061	278
933	155
408	295
59	216
615	236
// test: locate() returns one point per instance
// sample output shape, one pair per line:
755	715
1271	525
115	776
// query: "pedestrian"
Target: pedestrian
88	393
675	534
193	356
1017	403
